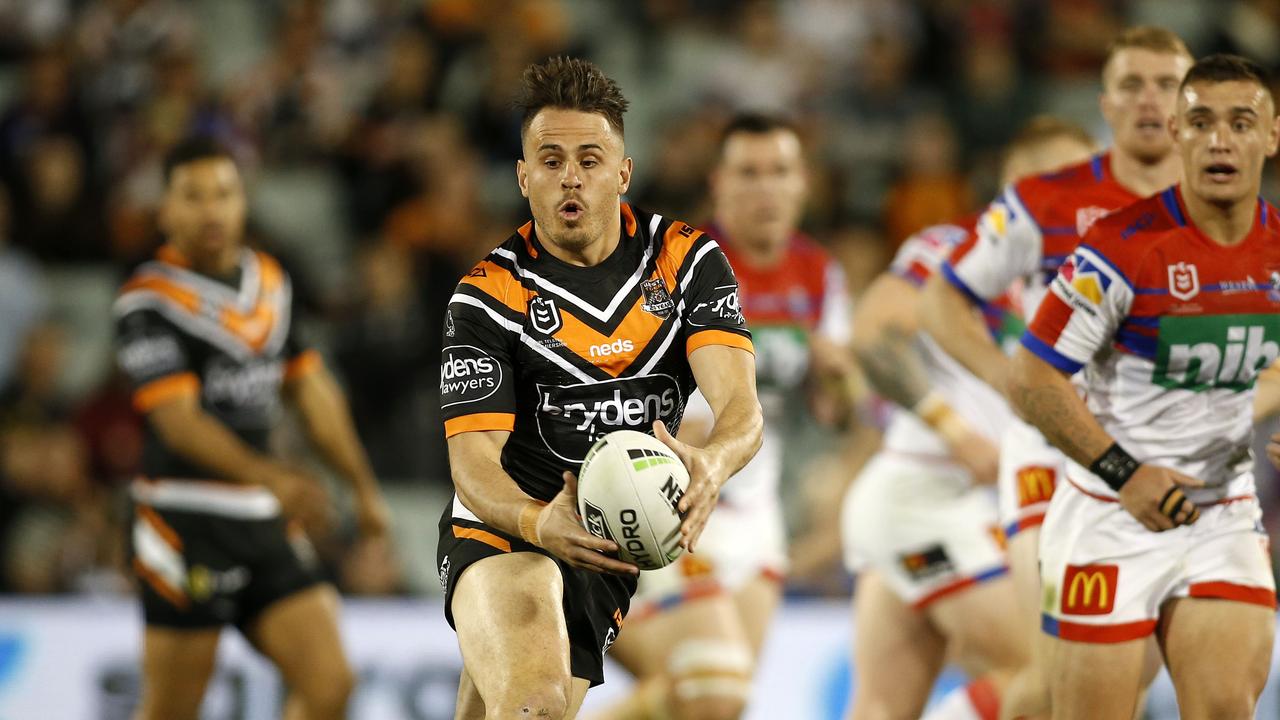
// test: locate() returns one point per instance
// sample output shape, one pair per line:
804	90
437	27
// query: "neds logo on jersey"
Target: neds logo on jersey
572	417
467	374
1215	351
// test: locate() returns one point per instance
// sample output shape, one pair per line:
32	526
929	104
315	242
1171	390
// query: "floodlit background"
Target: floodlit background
379	143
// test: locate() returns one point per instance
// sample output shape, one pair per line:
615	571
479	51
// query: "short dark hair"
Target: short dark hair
754	123
191	149
1223	67
570	84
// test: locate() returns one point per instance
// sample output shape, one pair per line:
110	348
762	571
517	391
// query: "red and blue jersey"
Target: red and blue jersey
1171	330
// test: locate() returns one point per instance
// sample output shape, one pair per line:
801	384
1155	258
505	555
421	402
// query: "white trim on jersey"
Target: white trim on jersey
157	555
460	511
524	338
241	502
602	315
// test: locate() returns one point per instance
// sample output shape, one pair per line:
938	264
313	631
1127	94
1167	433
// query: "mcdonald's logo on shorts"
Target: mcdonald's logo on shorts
1089	589
1035	484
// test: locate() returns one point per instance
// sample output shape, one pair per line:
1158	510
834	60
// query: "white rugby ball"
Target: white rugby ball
628	488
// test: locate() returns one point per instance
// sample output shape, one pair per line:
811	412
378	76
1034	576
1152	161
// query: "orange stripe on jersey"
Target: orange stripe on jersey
636	330
253	329
677	241
304	364
160	586
162	528
483	536
270	273
629	219
495	281
158	392
526	231
171	290
173	256
479	422
717	337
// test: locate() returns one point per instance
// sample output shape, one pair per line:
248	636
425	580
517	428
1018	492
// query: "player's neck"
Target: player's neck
594	252
1226	225
1142	178
756	254
219	264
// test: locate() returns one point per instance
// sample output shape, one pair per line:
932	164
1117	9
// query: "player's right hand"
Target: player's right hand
301	496
1153	495
978	455
561	533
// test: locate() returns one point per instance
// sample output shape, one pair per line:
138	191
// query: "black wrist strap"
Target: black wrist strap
1115	466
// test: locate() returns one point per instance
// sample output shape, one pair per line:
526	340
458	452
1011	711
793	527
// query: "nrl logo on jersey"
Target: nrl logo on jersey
657	301
545	315
1184	281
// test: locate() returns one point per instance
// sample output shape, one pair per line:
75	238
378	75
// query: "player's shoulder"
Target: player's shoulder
1070	178
497	273
156	284
1125	236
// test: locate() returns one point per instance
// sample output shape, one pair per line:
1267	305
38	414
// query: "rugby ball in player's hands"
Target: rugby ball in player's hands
628	488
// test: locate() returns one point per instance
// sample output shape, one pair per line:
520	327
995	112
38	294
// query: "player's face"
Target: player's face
574	173
1225	131
760	184
1140	90
1045	156
204	208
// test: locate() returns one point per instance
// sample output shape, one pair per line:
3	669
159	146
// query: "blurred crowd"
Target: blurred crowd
379	143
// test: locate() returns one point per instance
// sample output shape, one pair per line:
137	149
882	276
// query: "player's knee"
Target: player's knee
1228	700
327	693
543	700
709	679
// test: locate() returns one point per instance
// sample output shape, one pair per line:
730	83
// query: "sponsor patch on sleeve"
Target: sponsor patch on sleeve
467	374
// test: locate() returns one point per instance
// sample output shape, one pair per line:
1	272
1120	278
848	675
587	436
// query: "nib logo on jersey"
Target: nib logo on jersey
572	417
1215	351
467	374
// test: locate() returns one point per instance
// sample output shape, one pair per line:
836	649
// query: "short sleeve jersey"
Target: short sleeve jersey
1171	330
230	343
1031	228
561	355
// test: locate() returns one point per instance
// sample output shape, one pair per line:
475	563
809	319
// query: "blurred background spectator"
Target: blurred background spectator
379	141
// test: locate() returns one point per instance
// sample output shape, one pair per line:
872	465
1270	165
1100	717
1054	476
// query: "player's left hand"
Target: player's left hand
372	514
706	476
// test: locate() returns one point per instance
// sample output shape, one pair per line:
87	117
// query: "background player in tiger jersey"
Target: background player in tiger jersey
592	318
697	626
919	527
1171	307
206	336
1023	237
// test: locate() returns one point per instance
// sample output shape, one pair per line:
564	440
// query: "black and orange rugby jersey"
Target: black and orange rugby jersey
561	355
232	343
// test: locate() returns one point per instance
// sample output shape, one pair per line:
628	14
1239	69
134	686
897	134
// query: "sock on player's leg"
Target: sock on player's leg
979	700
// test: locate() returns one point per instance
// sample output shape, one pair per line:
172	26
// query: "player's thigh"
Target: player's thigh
981	628
299	634
176	666
1095	681
756	602
1024	568
1218	653
897	653
509	617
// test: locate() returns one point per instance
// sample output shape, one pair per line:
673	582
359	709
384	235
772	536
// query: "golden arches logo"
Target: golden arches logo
1035	484
1090	589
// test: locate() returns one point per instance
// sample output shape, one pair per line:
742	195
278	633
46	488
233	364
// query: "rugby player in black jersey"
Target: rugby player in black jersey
206	334
594	317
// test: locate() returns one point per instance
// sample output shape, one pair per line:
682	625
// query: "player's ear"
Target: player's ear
624	176
522	178
1273	136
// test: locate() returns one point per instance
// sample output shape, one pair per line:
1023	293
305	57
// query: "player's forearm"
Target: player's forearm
327	419
892	365
202	440
737	433
483	486
1043	396
949	318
